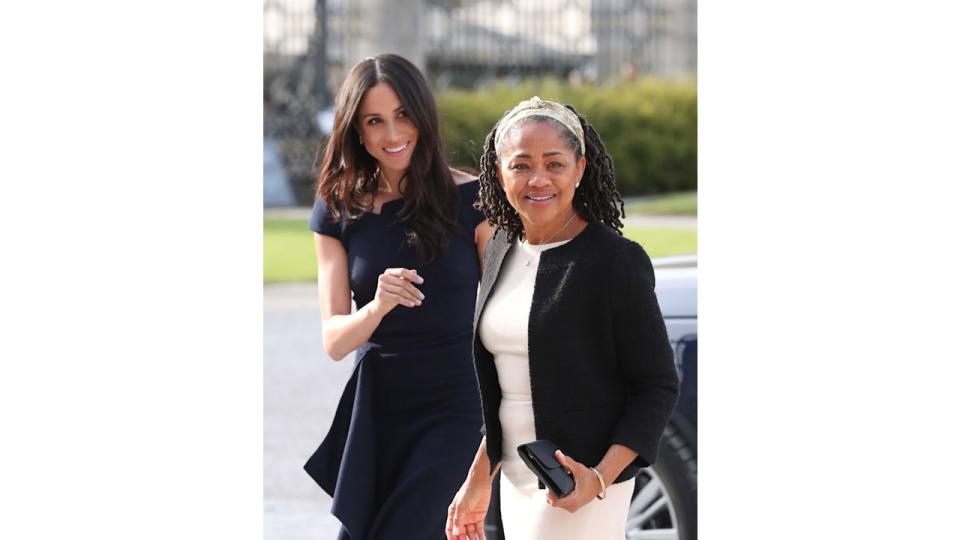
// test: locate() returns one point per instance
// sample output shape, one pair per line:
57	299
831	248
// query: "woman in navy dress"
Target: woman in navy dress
396	228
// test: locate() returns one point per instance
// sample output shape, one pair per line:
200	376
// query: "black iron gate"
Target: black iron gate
468	44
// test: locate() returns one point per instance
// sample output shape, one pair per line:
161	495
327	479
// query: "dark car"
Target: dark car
664	505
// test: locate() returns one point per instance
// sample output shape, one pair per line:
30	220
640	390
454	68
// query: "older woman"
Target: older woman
569	345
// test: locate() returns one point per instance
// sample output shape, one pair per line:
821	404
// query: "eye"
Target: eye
519	167
373	121
555	165
402	114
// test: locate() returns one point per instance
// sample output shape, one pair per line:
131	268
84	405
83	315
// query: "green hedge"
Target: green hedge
649	127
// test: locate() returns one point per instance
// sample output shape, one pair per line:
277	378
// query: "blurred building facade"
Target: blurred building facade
468	43
309	45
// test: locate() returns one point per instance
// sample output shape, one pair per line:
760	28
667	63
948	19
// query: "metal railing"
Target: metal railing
308	46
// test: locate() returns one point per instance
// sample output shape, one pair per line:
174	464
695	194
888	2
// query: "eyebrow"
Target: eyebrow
545	154
378	114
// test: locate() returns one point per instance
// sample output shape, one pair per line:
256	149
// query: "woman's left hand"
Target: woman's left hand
586	485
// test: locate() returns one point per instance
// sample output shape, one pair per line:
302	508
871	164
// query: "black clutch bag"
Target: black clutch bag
539	457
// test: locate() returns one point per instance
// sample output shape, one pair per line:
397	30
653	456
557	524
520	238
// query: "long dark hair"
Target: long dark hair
348	181
596	200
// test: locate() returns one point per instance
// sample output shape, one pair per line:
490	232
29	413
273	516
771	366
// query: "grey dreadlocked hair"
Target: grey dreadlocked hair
597	198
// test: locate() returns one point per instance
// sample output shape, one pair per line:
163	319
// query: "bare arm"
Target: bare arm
344	331
614	462
466	513
484	231
480	469
481	236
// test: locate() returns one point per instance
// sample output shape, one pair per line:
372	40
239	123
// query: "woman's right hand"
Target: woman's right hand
467	511
395	286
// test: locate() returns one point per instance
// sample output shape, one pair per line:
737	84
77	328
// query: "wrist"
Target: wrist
609	476
479	479
375	309
601	484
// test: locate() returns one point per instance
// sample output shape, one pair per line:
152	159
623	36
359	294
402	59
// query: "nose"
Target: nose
538	178
391	131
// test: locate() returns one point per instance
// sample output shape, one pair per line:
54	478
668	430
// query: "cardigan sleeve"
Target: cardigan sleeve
644	355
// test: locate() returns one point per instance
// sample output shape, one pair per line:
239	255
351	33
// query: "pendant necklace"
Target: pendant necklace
552	236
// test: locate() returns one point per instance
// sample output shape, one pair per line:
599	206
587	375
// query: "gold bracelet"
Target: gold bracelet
603	485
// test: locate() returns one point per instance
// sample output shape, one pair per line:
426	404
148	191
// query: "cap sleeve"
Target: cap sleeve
322	223
470	194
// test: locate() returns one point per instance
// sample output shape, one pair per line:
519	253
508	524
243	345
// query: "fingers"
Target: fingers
401	283
567	462
400	294
572	501
470	531
397	285
568	503
406	278
404	273
457	529
553	501
454	531
465	517
449	528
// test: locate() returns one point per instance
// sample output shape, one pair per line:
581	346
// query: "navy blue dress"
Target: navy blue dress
408	423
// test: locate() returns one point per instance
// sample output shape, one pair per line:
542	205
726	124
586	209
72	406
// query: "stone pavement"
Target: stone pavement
301	387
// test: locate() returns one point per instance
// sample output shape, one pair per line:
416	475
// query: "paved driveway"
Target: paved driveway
301	386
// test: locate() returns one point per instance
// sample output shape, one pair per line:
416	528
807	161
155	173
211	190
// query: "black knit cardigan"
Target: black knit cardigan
601	366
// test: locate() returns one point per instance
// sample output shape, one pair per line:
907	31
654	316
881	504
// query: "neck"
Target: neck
390	179
563	228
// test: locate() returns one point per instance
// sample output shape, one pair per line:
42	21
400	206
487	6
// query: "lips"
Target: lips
397	149
540	198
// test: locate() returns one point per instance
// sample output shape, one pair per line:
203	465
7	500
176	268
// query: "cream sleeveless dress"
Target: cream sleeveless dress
503	331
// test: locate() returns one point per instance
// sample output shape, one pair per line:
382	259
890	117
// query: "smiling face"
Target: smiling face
539	171
388	134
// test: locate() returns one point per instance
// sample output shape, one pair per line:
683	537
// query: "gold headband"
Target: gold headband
539	107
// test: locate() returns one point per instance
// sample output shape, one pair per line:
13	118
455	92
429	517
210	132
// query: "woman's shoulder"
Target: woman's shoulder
468	189
617	246
324	220
612	238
